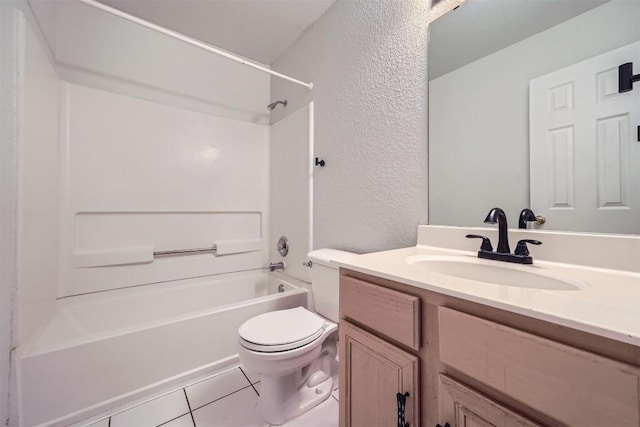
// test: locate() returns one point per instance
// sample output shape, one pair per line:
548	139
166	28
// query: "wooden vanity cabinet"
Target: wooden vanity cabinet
468	408
375	367
474	365
377	371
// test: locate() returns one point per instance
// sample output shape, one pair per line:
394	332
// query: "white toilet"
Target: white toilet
294	350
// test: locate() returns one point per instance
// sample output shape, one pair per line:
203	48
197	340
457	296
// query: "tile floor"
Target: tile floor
224	400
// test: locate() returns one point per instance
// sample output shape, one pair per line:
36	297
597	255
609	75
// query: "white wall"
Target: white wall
290	190
367	60
142	177
96	49
29	182
479	114
38	187
8	203
44	13
183	171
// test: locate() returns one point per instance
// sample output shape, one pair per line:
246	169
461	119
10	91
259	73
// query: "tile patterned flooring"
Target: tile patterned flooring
227	399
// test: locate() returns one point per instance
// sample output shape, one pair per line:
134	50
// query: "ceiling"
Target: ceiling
480	27
261	30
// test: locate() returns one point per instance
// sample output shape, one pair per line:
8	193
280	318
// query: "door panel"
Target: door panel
584	152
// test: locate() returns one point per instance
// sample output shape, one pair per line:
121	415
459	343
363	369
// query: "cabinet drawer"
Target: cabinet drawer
391	313
570	385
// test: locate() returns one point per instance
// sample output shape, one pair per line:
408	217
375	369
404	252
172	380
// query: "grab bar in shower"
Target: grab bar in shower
185	251
223	247
143	255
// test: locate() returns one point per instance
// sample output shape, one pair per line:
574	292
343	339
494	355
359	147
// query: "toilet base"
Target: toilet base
285	397
280	401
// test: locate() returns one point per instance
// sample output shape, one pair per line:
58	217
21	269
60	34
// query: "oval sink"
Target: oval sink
495	272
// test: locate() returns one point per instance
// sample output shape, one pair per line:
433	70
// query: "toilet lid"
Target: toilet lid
282	327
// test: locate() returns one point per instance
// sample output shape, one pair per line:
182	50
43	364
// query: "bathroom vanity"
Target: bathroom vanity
435	336
471	353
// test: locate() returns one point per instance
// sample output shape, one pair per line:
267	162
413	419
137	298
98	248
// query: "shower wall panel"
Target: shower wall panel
96	49
38	180
291	183
143	177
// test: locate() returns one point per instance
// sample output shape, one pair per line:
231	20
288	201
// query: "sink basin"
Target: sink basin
495	272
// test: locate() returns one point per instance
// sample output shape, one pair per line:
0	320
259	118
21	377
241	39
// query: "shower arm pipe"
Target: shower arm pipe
189	40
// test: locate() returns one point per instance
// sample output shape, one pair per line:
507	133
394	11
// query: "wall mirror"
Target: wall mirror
524	111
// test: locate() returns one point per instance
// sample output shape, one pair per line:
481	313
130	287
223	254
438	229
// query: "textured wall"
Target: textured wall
367	60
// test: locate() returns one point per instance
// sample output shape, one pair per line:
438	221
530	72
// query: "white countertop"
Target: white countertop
608	306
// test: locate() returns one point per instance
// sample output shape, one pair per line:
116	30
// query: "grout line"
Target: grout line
165	393
189	406
250	383
173	419
125	407
220	398
144	402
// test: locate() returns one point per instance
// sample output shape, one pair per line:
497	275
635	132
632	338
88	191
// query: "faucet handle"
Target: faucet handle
522	249
527	215
486	243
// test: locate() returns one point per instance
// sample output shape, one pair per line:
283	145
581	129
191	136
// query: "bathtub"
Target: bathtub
104	350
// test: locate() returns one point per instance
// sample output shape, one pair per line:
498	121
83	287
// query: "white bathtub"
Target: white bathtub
103	350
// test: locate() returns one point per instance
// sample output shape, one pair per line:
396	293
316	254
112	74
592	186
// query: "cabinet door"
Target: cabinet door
372	373
570	385
468	408
466	418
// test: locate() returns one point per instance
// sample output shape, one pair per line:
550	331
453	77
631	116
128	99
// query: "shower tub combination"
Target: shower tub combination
104	350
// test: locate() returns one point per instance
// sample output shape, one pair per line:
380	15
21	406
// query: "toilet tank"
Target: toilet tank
325	281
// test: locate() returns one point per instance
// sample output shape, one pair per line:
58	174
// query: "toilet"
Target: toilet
294	350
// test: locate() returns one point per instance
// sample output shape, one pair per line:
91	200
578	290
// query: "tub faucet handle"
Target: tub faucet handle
277	266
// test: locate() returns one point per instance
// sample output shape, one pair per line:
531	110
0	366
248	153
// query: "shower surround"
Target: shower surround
121	157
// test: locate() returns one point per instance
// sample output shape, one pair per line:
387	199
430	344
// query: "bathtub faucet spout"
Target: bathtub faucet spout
277	266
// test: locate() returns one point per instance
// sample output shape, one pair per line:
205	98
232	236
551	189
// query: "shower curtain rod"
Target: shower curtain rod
190	40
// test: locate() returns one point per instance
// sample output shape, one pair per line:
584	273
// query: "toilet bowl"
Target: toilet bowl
294	368
294	351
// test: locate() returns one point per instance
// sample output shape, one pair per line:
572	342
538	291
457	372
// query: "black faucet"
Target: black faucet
503	252
497	215
526	215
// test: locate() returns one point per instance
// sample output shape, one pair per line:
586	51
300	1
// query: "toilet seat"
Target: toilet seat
281	330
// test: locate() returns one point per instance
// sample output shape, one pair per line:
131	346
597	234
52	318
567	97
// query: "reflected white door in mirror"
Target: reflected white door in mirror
584	151
499	67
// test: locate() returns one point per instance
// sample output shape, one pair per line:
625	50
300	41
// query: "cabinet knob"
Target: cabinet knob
402	402
445	425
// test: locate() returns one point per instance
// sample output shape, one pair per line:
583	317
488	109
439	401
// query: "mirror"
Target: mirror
508	81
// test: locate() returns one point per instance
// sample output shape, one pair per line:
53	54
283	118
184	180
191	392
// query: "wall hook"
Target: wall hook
320	163
626	77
